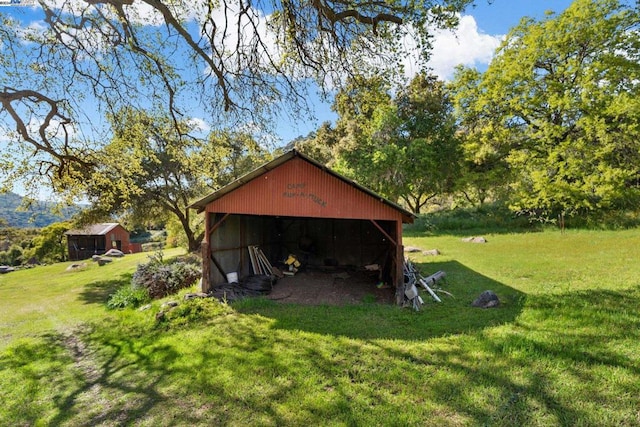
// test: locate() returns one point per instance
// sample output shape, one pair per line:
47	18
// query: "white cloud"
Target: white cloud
199	124
466	45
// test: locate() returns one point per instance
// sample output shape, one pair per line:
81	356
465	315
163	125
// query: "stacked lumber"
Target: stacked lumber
259	262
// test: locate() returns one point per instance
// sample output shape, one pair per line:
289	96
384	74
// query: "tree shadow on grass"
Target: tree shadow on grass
369	320
98	292
63	380
552	367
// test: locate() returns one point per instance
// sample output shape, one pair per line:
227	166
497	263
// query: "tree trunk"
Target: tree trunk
193	241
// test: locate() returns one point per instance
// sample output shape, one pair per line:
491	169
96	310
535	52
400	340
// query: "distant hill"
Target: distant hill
38	214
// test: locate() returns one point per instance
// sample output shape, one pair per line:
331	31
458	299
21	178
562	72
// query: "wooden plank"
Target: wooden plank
397	265
265	262
254	263
218	266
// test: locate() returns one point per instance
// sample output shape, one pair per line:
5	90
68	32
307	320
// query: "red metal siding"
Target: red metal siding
298	188
117	233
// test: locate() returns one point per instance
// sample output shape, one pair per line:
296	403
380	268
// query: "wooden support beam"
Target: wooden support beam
218	266
391	239
217	224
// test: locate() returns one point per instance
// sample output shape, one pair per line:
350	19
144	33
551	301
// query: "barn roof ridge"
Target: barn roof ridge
97	229
201	203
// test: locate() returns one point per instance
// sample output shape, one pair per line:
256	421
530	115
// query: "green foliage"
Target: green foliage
128	296
160	279
403	148
50	245
151	171
16	236
12	256
559	106
320	145
172	66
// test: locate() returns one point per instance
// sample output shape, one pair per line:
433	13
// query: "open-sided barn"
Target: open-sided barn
295	205
96	239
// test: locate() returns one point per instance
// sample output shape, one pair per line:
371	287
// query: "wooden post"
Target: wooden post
206	253
206	268
399	267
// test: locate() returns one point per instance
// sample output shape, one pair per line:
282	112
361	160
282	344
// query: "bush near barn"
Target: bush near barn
161	278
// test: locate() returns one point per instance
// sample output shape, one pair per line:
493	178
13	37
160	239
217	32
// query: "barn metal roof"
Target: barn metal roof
202	203
93	229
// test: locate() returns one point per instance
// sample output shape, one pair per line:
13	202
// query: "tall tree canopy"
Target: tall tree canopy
236	60
149	173
405	147
560	104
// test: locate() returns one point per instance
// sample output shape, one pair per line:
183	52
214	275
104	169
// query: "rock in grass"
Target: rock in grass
76	266
169	304
487	299
474	240
114	253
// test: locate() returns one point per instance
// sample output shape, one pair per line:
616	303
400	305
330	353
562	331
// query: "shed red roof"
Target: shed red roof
296	185
93	229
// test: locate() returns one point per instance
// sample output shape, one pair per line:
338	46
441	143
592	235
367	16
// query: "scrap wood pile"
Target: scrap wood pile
413	281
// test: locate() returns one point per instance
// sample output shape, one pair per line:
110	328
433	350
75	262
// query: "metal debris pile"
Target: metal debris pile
413	281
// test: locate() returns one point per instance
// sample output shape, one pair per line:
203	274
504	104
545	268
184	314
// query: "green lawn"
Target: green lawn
562	349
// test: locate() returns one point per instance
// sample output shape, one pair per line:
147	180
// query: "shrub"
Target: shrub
191	259
128	296
15	253
160	279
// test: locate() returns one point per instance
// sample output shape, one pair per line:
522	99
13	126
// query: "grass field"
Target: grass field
562	349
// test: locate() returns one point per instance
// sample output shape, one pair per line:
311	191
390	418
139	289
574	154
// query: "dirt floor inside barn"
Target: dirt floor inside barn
332	288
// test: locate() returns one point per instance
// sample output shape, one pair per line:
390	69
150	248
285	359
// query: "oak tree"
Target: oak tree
560	103
237	61
148	172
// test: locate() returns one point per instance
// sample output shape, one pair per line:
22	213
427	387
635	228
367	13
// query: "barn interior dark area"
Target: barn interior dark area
319	244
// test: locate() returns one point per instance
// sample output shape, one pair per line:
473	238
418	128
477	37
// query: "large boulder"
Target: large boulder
114	253
487	299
